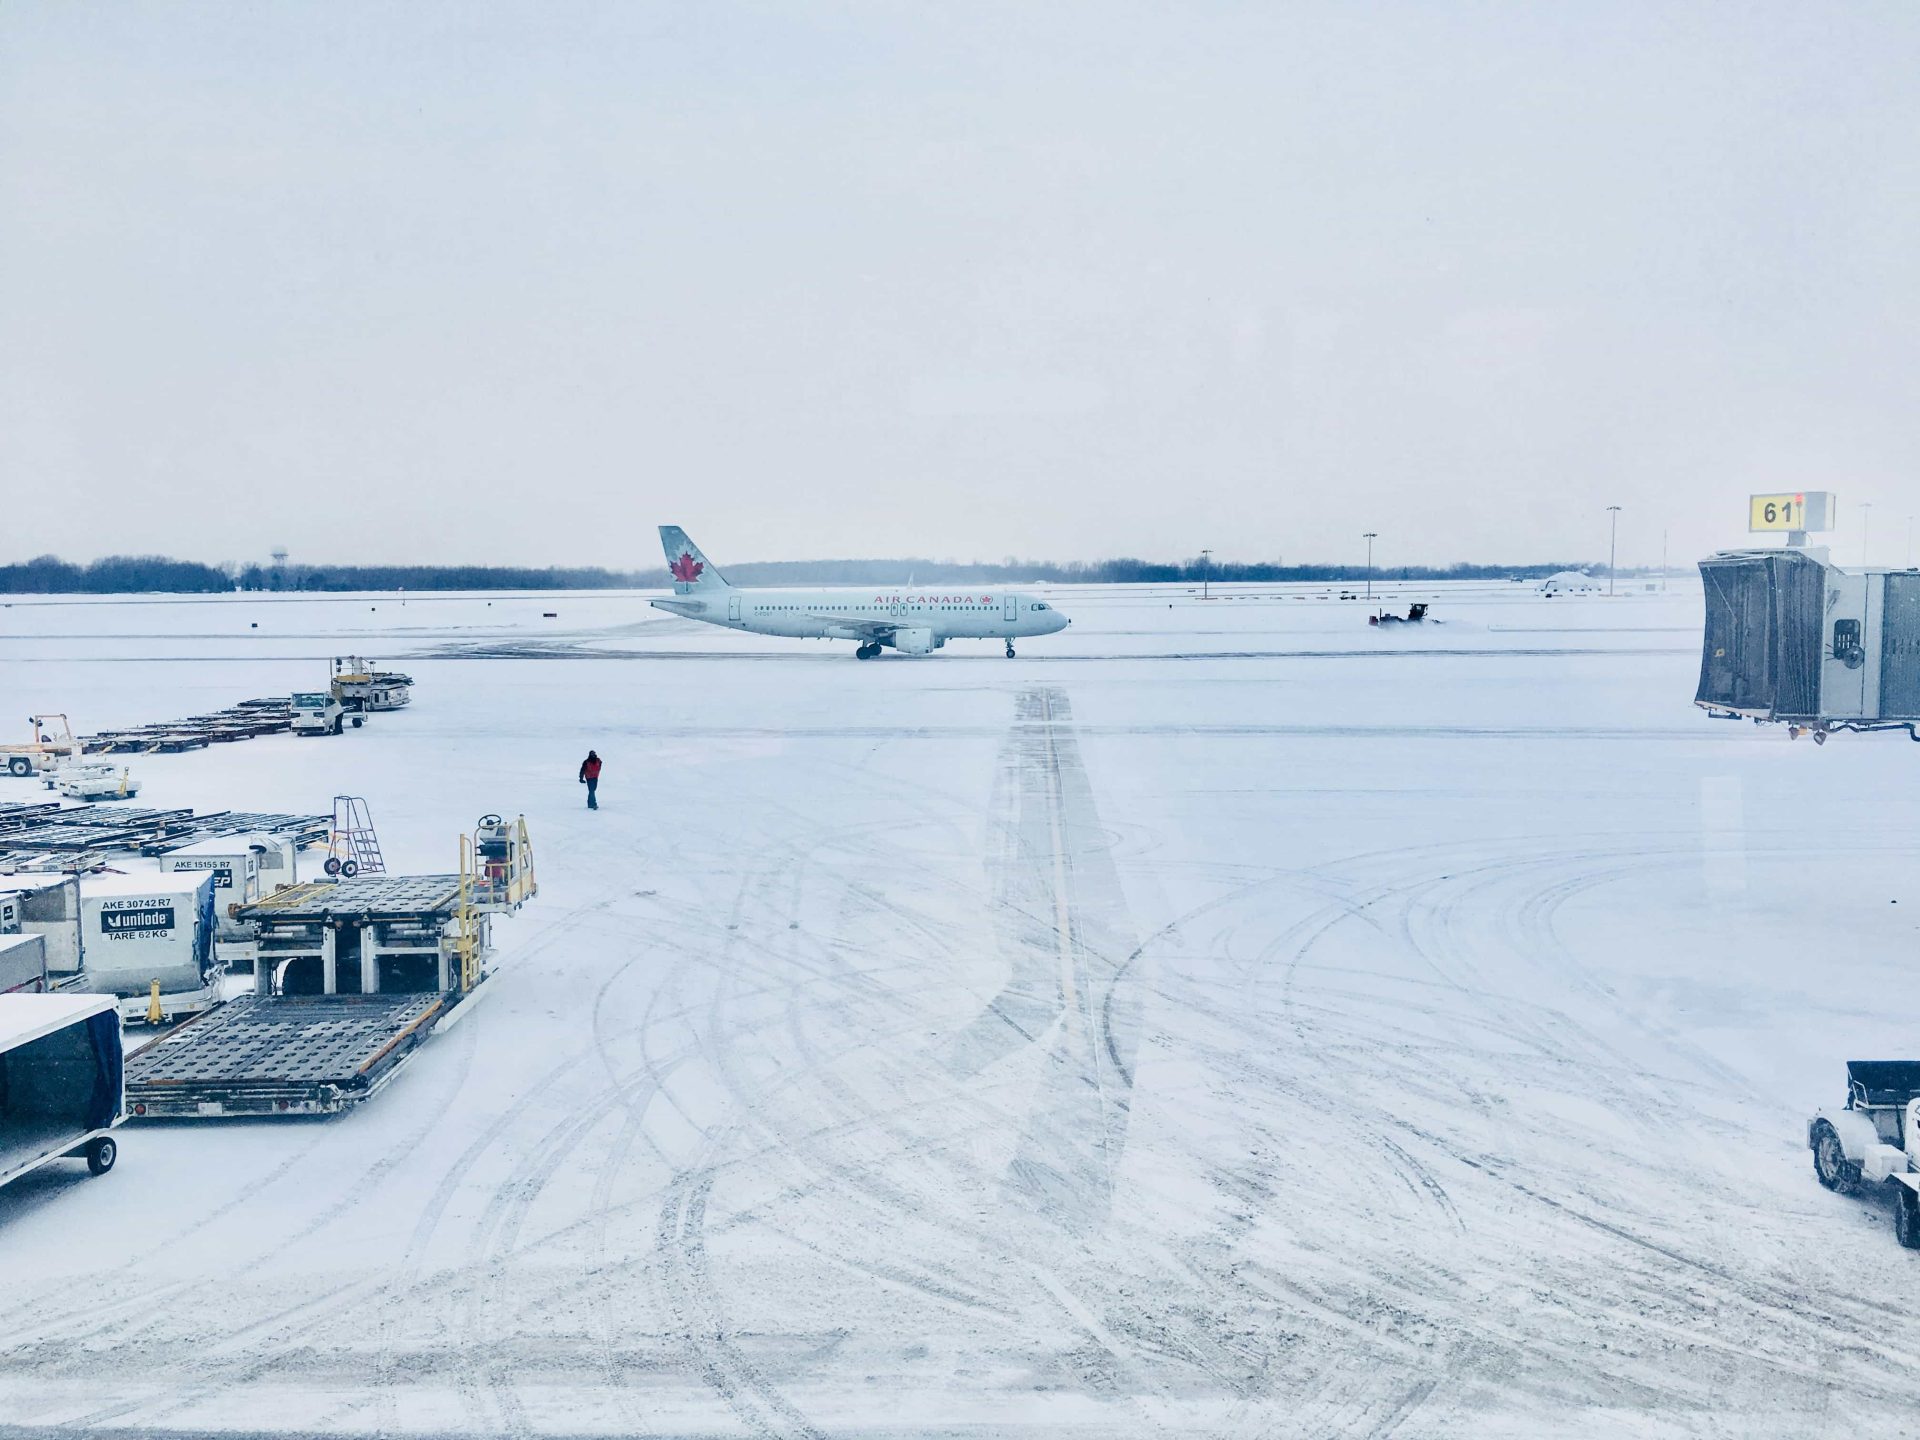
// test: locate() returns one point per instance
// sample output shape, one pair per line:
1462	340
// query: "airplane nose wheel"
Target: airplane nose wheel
1009	649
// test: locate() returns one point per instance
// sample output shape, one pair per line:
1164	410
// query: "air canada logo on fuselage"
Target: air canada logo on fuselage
686	569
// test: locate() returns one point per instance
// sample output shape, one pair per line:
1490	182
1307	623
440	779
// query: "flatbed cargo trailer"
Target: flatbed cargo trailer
281	1055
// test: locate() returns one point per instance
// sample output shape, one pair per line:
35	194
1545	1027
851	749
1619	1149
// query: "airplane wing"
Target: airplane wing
859	624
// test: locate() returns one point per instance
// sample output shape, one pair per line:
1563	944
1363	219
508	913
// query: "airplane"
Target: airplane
914	622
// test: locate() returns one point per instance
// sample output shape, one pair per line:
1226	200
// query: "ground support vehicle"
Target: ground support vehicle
360	687
282	1055
1874	1139
52	745
350	976
318	712
61	1082
375	934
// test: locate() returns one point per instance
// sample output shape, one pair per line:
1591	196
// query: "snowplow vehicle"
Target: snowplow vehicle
1874	1139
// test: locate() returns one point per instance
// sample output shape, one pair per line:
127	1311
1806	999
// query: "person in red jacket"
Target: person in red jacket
590	777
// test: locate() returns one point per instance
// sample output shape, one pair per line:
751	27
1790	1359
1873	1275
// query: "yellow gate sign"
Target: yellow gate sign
1799	510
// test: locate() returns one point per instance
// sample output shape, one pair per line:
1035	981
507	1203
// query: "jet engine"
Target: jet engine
918	641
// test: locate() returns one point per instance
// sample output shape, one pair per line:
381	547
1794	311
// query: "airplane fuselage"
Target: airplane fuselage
853	614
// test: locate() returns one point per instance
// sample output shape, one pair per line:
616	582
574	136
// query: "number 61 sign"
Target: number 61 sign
1800	510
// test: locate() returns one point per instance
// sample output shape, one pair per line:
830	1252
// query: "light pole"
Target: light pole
1866	521
1613	535
1206	573
1370	537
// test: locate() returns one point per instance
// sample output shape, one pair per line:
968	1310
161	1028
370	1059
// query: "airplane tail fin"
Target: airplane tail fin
691	571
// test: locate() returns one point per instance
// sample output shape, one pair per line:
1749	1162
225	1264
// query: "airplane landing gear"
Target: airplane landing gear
865	652
1009	649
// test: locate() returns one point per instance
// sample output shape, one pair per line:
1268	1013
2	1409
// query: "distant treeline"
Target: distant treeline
155	574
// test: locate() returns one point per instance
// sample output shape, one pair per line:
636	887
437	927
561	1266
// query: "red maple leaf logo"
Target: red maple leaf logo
686	569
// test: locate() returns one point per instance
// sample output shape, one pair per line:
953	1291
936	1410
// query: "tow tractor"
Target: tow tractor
319	712
1874	1139
52	745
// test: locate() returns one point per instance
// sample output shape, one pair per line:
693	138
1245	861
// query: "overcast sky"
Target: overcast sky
514	283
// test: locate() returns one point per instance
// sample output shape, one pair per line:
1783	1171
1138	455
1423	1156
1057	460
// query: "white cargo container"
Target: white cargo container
243	867
142	930
47	906
23	964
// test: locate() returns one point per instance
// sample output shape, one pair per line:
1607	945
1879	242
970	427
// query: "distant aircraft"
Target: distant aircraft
914	622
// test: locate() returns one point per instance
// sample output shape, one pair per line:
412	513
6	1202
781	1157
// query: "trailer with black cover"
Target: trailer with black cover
61	1083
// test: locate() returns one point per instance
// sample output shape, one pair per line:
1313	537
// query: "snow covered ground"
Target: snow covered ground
1225	1019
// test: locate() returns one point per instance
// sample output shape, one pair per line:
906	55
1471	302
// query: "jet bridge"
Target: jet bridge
1791	638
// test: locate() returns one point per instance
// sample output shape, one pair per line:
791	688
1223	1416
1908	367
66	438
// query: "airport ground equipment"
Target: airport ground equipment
93	780
23	965
52	745
353	846
61	1082
1874	1139
318	712
139	931
46	906
1791	638
375	934
497	863
360	687
350	977
245	721
306	1055
54	837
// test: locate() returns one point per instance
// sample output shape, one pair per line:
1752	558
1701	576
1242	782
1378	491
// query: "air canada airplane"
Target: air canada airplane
914	622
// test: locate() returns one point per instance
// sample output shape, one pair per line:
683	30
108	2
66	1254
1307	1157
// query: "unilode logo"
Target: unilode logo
686	569
122	919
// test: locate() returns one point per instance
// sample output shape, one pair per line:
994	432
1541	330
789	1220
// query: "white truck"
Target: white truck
140	932
62	1085
1874	1139
319	712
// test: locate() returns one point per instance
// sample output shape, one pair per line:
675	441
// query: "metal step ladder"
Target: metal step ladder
353	847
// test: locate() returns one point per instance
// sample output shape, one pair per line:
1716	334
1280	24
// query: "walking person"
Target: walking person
590	777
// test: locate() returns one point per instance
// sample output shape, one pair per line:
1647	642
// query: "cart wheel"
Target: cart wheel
332	867
1831	1167
101	1153
20	765
1906	1217
349	868
358	721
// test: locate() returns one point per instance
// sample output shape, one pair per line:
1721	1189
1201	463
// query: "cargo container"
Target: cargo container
139	931
47	906
23	964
